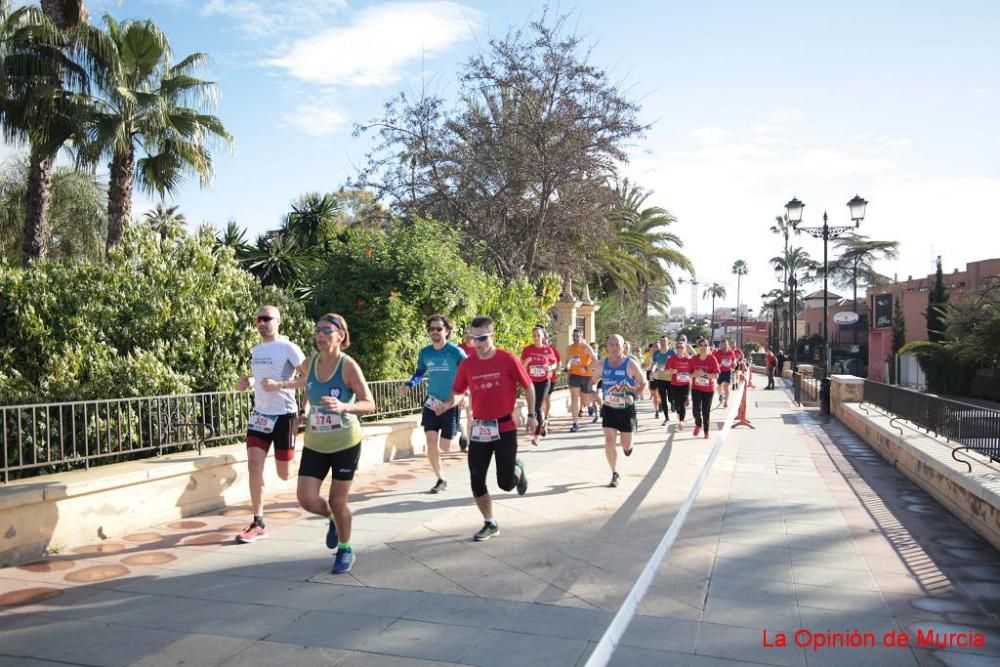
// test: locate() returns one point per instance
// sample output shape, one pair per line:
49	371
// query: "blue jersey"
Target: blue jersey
660	359
439	366
618	386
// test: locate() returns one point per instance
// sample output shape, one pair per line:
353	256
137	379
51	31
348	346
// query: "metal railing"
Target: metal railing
43	438
975	427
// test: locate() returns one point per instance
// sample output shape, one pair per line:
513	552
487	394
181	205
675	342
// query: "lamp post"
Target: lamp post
793	284
826	232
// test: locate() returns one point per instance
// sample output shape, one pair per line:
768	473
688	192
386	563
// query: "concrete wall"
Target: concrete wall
973	497
53	512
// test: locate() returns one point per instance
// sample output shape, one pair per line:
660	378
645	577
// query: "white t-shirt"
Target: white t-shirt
276	360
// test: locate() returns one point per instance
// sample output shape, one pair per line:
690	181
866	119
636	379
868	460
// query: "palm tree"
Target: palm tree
794	262
65	14
740	269
636	263
857	259
145	106
714	290
312	218
165	221
235	237
783	228
43	96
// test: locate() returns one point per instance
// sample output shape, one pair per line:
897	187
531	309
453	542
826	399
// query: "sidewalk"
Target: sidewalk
799	525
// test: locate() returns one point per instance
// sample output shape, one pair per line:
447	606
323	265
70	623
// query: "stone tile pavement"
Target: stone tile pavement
799	526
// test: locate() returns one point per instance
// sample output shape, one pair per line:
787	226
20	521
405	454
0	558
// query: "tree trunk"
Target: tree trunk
120	195
37	226
65	14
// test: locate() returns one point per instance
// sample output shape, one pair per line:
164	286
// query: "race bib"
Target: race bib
726	363
485	430
261	423
660	375
618	400
432	403
574	360
324	422
703	382
682	377
537	371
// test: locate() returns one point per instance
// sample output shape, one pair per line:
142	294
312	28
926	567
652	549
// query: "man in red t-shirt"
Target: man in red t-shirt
771	361
706	370
492	376
727	364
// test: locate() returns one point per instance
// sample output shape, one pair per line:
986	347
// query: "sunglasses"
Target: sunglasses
480	339
434	329
264	318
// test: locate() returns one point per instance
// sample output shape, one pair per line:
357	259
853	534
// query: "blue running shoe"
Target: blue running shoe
574	428
332	539
343	561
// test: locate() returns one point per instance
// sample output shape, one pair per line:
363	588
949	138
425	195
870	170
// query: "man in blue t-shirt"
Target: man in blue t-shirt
438	362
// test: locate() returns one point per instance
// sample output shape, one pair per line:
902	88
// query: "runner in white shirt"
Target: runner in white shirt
275	413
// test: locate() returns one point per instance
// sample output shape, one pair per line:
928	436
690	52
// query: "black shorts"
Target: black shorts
725	377
343	463
620	419
581	382
446	422
283	437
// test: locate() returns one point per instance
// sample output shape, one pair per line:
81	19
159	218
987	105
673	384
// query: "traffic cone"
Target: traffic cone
741	416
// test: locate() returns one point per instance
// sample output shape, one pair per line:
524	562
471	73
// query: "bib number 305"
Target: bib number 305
261	423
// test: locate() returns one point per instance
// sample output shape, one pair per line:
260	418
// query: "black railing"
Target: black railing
797	387
972	426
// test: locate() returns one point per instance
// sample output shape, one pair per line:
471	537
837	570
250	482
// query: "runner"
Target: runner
463	438
338	394
492	377
622	382
660	358
580	359
539	360
741	367
552	387
647	364
595	384
274	416
770	361
680	368
727	363
439	362
706	370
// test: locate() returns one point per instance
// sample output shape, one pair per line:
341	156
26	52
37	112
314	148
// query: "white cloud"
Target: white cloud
711	136
316	120
378	43
263	18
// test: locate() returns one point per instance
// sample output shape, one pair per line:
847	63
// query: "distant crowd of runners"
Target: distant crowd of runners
475	379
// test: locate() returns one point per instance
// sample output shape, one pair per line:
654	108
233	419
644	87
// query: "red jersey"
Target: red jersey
493	384
555	371
470	350
771	361
539	360
739	355
682	370
709	364
727	360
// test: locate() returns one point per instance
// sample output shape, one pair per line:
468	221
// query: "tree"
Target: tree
739	269
43	97
65	14
858	255
693	332
235	237
145	106
77	213
165	221
522	165
937	307
313	218
794	263
714	290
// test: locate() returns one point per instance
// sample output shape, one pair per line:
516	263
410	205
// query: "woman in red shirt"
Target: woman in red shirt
706	370
680	369
539	360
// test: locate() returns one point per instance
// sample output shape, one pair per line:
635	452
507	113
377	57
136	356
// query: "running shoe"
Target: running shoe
574	428
706	434
252	534
439	487
332	539
343	561
628	452
594	420
487	531
522	480
463	443
697	431
590	410
614	480
665	421
545	428
580	413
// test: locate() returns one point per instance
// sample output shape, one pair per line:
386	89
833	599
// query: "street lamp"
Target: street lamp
793	284
794	208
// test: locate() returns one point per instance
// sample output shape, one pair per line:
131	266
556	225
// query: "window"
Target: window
580	324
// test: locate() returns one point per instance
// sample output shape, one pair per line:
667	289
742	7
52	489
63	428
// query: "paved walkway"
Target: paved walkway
799	525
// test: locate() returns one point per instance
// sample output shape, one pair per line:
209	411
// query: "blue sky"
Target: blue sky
751	103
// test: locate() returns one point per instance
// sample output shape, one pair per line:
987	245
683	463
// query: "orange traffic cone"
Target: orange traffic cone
741	416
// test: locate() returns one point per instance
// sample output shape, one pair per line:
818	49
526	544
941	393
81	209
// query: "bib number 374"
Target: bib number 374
324	422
